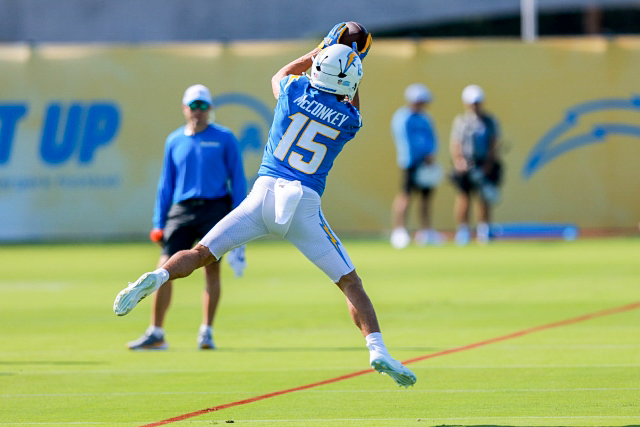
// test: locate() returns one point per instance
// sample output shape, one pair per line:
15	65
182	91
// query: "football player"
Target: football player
315	116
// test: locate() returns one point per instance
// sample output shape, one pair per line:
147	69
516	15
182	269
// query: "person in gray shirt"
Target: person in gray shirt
476	167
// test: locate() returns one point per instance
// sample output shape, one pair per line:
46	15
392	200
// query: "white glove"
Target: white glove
237	260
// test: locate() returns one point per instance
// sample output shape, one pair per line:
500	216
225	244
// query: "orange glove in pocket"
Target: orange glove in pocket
156	235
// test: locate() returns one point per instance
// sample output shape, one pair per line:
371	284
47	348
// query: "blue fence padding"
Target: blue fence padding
524	230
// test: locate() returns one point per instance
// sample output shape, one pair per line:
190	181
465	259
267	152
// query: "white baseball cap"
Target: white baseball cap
472	94
416	93
196	93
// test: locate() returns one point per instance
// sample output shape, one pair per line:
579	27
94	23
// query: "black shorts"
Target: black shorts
189	220
464	183
409	182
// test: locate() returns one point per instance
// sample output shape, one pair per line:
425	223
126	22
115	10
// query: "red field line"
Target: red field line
517	334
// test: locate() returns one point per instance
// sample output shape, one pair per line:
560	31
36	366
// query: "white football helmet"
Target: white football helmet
337	69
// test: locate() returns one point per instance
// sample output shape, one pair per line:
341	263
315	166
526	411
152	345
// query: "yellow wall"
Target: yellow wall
529	87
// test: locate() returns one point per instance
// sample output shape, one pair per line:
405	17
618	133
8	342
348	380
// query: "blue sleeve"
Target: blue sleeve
233	160
166	185
283	83
401	139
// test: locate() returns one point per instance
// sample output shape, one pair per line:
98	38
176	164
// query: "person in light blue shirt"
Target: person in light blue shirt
202	180
315	117
416	144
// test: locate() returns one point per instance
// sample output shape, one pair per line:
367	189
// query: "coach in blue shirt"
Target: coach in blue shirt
202	180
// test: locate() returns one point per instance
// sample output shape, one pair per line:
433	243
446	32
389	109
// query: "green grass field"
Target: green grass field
63	359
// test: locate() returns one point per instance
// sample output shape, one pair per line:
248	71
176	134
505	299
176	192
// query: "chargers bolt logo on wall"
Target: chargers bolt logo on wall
556	141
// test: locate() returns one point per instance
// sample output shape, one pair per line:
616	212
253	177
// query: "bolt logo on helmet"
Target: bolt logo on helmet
337	69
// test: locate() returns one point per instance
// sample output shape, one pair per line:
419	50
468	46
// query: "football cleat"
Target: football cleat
130	296
385	364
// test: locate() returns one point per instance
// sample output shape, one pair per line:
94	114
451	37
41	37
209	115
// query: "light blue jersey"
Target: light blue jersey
309	129
414	136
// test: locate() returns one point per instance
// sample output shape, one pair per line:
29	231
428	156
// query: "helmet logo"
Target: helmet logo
350	60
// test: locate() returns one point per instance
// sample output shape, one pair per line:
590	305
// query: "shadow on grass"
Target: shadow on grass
311	349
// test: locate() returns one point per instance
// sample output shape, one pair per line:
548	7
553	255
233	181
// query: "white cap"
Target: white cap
416	93
196	93
472	94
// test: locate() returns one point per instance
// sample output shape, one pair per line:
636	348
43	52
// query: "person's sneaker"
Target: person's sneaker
421	238
428	237
436	238
385	364
205	340
483	234
149	341
130	296
433	237
400	238
463	236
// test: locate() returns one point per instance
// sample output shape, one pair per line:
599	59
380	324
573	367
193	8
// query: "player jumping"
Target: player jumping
315	117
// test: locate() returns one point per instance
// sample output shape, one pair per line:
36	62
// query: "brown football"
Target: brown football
355	32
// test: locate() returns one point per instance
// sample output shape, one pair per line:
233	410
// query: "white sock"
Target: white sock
164	274
375	343
155	330
206	328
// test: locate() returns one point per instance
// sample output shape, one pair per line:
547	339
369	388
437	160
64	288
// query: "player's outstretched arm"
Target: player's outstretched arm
295	67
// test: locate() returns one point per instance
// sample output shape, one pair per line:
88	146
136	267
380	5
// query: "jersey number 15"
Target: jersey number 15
304	140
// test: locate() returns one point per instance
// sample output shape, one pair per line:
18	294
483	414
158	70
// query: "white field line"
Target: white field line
407	349
432	391
327	421
10	355
328	368
567	346
550	366
32	286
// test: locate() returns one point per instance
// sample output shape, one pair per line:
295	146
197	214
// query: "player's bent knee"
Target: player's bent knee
204	254
349	280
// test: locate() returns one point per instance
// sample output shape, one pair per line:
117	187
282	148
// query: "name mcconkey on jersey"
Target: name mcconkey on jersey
321	111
